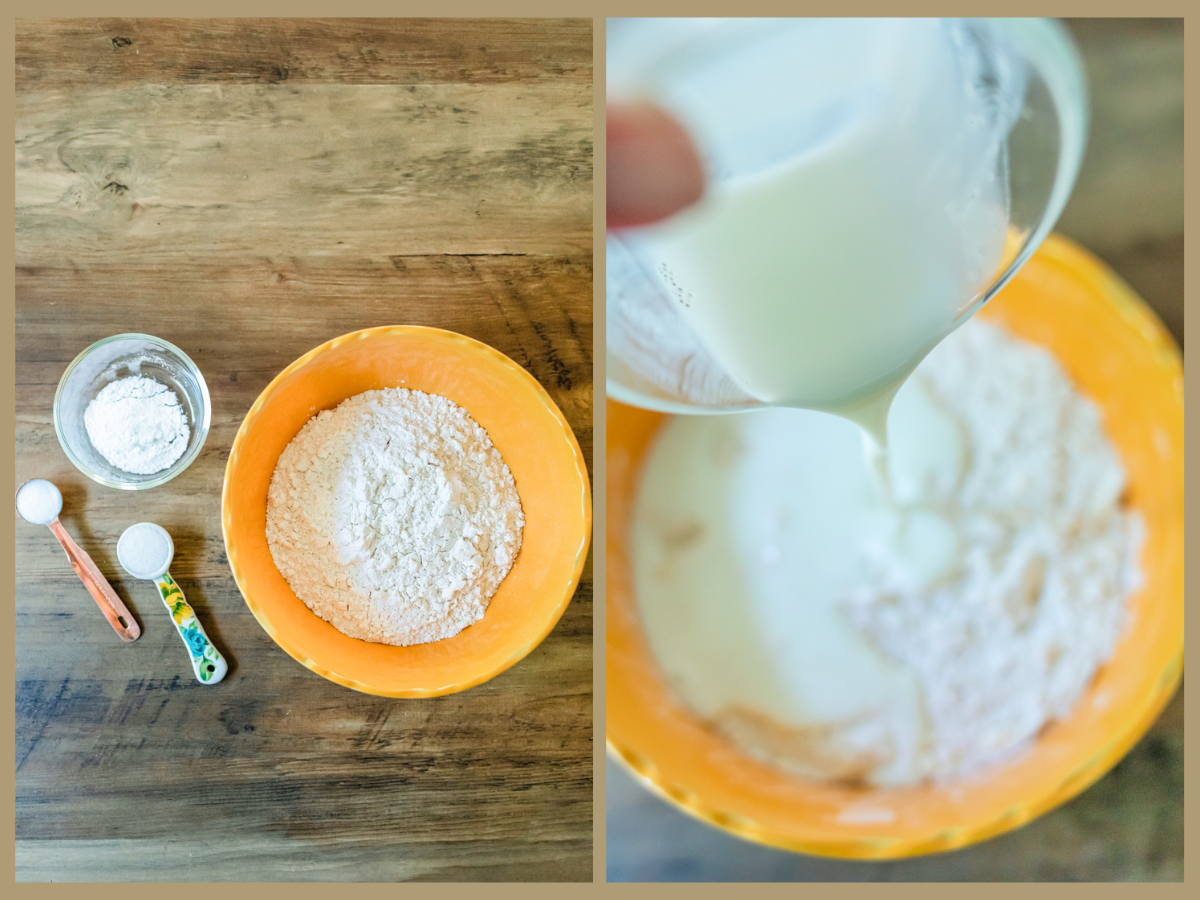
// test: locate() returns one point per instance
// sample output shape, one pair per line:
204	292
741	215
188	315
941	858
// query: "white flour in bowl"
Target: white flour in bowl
137	424
842	636
393	517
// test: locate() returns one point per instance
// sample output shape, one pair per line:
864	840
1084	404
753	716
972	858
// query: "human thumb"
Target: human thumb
652	167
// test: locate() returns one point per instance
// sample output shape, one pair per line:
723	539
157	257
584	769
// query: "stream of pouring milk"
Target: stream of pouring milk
817	280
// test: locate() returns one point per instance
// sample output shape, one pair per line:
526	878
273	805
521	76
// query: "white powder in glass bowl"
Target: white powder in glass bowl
137	424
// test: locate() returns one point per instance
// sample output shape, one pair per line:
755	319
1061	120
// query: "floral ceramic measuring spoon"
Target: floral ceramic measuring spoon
145	551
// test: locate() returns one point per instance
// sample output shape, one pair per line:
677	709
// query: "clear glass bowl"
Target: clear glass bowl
121	356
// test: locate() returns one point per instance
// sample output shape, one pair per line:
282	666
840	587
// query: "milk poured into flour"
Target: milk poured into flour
858	204
840	637
857	208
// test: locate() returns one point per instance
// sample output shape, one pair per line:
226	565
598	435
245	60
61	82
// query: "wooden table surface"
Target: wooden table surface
248	189
1127	207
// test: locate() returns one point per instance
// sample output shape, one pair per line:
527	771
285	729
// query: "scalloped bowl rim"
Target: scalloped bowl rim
565	591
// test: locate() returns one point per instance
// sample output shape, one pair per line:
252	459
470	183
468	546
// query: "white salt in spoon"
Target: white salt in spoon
145	551
39	502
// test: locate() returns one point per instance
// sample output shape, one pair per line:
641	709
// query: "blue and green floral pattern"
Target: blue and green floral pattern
207	662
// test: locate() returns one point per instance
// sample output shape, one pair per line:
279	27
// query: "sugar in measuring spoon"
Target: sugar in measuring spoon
145	551
39	502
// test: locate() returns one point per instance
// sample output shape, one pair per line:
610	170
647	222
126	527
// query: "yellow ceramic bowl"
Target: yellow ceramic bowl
1118	353
525	426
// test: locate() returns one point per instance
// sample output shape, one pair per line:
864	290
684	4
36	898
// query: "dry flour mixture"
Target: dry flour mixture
393	517
841	631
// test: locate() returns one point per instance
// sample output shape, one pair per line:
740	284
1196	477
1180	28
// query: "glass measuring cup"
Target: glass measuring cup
894	239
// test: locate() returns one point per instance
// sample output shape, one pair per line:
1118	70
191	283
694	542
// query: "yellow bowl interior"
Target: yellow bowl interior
533	438
1118	353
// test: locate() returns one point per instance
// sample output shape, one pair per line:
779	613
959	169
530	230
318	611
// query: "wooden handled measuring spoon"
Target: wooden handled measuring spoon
145	551
39	502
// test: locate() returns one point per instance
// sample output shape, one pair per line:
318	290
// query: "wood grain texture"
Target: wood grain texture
247	171
430	172
273	51
1127	207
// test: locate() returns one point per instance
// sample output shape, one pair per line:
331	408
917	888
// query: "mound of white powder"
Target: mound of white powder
393	517
1009	639
843	631
137	424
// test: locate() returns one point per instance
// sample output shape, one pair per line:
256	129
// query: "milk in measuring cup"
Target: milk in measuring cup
858	201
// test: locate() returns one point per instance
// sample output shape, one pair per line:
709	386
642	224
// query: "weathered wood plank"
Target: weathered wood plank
187	857
151	173
274	51
405	172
